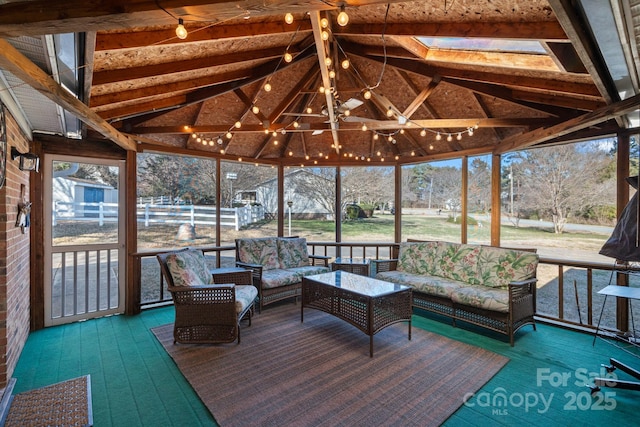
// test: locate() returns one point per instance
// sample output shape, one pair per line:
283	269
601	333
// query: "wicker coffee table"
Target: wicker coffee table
368	304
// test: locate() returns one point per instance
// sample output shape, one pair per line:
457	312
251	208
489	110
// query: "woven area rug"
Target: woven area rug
67	403
319	373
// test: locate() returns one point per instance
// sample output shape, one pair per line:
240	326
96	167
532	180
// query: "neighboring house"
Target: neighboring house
302	187
75	197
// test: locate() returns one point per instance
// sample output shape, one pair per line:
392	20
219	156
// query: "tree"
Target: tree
560	181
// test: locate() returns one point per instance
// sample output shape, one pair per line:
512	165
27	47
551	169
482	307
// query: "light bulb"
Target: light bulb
390	138
309	110
347	113
211	142
389	112
375	136
332	74
459	137
438	136
449	138
296	124
470	131
194	135
181	31
367	94
275	142
288	18
327	61
423	132
288	57
199	139
222	151
219	141
324	22
413	153
325	35
343	18
364	127
229	135
255	109
321	89
238	125
267	87
345	64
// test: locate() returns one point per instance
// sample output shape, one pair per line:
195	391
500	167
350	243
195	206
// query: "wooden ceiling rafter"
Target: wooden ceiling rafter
538	30
174	67
487	114
20	66
249	104
547	83
321	50
100	102
165	36
203	94
419	100
608	112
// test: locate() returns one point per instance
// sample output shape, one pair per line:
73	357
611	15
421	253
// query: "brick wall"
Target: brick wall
14	258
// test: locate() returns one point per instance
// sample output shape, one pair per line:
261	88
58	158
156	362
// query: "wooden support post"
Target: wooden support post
622	198
495	199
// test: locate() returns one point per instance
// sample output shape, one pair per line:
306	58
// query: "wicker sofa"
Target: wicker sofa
278	265
487	286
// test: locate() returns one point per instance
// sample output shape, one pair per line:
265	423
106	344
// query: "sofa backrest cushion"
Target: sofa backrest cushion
457	261
292	252
188	268
499	266
417	257
261	250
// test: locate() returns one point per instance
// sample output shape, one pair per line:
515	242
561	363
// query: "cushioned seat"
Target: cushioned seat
205	312
278	265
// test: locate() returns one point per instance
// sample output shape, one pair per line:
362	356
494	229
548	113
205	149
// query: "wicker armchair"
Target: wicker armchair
208	313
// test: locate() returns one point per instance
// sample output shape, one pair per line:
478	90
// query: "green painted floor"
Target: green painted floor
135	383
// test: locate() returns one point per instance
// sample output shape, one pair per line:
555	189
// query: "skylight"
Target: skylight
482	44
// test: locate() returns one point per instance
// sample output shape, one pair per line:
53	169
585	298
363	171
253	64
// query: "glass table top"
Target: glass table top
356	283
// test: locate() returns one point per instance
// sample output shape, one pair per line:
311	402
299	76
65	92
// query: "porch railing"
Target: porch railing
567	289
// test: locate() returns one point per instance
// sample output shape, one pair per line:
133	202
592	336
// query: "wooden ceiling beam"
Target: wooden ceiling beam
293	93
537	136
545	30
199	95
155	70
322	51
101	102
421	97
144	38
373	124
38	17
20	66
490	75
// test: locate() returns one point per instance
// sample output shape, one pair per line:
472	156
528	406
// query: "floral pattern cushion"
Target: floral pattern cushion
188	268
479	296
458	262
431	285
417	257
292	252
262	251
309	270
498	266
277	277
245	296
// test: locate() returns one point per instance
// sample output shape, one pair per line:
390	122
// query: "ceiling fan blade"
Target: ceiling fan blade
317	132
360	119
351	103
303	115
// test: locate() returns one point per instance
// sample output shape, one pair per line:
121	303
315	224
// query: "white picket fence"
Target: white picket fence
148	213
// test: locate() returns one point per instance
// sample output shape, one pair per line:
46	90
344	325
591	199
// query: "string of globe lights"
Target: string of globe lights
367	93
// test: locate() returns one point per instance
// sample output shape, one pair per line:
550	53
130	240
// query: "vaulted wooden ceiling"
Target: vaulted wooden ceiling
206	94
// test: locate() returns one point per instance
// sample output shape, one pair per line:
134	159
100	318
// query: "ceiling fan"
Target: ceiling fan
342	111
